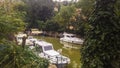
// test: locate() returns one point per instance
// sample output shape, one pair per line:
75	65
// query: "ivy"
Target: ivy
102	41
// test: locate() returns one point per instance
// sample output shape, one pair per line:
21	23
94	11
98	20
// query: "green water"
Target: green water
70	50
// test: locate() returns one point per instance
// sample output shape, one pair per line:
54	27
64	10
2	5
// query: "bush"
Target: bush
102	42
13	56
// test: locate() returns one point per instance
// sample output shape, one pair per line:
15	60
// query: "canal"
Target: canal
70	50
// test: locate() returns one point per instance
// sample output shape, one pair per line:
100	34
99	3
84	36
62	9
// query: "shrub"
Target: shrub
13	56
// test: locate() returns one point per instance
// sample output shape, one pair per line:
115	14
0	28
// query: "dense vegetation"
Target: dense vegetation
67	17
12	19
38	10
13	56
101	48
99	25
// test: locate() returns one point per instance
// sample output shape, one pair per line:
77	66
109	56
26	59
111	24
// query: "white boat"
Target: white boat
29	39
47	51
36	31
71	38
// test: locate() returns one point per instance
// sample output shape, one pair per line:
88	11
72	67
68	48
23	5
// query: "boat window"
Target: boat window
73	36
68	36
48	48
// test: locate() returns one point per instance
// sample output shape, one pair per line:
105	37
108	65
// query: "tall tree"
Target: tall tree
86	6
10	19
38	10
65	15
102	43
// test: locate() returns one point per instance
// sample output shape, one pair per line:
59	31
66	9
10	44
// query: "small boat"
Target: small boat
47	51
29	39
71	38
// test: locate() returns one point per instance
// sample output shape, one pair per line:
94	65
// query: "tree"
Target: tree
84	10
10	20
63	17
101	47
41	25
86	6
51	25
12	55
41	10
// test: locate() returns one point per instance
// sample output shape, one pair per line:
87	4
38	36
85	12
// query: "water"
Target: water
67	45
73	51
70	50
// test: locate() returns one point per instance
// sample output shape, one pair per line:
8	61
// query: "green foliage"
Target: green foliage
85	9
13	56
102	43
63	17
117	8
10	19
38	10
51	25
41	25
86	6
66	12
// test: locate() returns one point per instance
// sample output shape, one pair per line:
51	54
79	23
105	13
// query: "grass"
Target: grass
73	54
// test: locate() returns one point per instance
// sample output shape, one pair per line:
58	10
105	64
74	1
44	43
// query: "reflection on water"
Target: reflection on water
70	45
73	52
76	65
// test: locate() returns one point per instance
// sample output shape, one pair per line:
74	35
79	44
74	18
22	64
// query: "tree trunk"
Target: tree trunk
24	42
